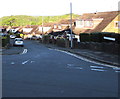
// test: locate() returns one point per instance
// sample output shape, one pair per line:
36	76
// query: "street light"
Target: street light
71	44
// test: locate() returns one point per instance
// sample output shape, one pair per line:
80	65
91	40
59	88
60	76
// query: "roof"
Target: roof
107	18
66	21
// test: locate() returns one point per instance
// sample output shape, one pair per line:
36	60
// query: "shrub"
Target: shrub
99	37
5	40
118	38
61	42
84	37
46	38
96	37
112	35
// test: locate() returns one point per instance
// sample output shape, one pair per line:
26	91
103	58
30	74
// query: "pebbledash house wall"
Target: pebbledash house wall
114	26
92	23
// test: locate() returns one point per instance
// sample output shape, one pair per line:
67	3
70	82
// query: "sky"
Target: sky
55	7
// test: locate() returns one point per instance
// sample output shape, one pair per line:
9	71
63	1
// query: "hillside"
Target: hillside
22	20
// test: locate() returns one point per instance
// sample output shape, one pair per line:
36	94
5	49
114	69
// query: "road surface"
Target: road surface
42	72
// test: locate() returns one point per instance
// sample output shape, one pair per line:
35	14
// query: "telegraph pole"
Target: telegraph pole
42	25
71	44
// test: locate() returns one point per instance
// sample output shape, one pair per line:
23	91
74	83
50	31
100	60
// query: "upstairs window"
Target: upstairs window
117	24
59	27
79	23
55	26
88	23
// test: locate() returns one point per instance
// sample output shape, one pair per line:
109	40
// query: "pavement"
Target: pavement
12	51
105	58
101	57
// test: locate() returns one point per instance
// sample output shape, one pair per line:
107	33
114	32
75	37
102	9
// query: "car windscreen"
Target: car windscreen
18	40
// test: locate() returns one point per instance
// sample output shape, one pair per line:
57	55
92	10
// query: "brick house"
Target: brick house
114	25
95	22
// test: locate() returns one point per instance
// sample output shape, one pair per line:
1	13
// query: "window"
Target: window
117	24
88	23
59	27
79	23
55	26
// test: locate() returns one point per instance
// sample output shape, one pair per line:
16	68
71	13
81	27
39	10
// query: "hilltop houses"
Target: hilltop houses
86	23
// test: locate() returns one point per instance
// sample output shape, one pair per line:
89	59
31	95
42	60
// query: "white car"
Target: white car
18	42
12	36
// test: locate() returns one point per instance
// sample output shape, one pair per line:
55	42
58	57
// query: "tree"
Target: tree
9	21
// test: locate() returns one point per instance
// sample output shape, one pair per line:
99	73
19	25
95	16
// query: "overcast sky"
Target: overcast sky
55	7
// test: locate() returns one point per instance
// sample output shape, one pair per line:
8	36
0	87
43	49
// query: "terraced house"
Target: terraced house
98	22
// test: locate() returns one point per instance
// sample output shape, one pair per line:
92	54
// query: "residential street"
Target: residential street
39	71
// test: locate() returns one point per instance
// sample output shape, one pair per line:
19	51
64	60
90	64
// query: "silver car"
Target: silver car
18	42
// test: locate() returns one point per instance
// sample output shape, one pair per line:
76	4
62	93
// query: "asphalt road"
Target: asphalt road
42	72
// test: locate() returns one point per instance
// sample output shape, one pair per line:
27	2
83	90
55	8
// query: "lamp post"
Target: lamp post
71	40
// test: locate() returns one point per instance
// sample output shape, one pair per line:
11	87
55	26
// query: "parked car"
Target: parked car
12	36
34	37
18	42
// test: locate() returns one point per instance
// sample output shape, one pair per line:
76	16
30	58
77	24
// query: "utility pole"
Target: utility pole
71	44
42	25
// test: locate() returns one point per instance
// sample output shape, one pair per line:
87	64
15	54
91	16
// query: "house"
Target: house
43	30
114	25
4	28
14	29
27	29
96	22
1	29
62	25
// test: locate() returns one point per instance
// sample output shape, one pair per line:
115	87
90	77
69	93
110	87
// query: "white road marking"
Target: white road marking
84	59
78	68
50	49
74	67
24	51
25	62
117	71
12	63
96	67
32	61
70	64
98	70
117	68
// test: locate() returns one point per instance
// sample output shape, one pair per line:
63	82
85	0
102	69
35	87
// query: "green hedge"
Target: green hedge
96	37
84	37
5	40
60	42
46	38
99	37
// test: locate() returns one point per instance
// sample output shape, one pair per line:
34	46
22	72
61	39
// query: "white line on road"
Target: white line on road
24	51
78	68
74	67
25	62
32	61
98	70
12	63
70	64
96	67
117	71
116	68
85	59
50	49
